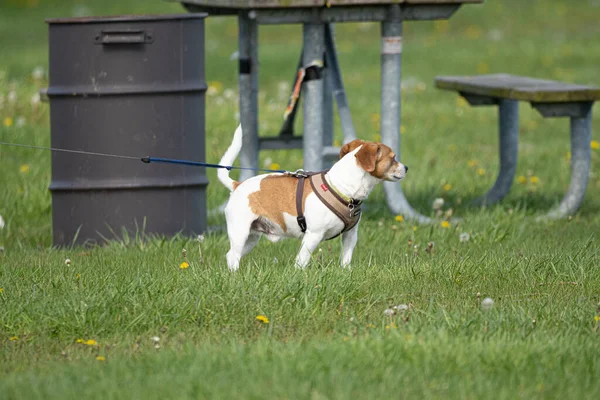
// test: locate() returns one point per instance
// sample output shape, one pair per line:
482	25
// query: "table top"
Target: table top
519	88
281	4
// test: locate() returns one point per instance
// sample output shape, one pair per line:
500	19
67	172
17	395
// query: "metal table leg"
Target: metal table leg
391	57
337	85
248	82
581	135
508	122
312	141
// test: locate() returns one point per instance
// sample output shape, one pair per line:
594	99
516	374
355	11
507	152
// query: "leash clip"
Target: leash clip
299	173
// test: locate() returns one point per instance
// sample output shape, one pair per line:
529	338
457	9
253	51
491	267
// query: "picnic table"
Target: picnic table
552	99
317	17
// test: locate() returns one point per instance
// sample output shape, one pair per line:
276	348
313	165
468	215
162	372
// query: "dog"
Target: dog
267	204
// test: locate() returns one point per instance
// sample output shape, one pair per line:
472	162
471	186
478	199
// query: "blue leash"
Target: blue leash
149	160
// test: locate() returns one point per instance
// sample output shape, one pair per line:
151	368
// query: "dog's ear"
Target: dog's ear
367	156
348	147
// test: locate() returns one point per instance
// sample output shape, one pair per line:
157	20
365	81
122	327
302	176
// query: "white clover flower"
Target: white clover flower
12	96
275	260
464	237
38	73
68	262
20	122
201	238
229	94
389	312
35	99
268	161
401	307
487	303
2	224
437	203
155	339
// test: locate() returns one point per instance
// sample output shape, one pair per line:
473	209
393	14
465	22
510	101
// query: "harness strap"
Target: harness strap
299	192
348	212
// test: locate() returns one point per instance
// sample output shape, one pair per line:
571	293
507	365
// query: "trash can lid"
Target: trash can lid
125	18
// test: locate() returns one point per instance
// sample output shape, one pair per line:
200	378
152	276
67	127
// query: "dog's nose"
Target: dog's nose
405	169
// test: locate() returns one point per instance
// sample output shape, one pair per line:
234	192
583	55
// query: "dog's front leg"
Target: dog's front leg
309	244
349	239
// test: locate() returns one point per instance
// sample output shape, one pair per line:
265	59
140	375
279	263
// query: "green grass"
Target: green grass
327	336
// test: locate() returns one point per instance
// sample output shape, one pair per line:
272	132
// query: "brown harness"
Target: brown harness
347	211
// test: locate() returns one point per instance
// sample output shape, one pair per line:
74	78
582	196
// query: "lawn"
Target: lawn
141	317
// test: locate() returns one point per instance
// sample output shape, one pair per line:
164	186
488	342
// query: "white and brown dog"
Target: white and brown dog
266	204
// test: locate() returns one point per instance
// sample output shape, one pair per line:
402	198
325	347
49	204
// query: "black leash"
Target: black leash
147	160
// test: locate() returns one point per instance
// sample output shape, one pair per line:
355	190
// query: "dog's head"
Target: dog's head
376	158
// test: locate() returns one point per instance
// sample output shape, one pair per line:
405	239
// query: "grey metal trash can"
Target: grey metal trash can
131	85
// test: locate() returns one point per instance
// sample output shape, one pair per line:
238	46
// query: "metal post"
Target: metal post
581	135
248	82
334	74
508	123
391	58
313	35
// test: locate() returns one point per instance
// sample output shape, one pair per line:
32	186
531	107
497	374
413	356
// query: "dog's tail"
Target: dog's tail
228	159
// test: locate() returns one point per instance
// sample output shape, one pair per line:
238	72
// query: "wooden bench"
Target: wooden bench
551	99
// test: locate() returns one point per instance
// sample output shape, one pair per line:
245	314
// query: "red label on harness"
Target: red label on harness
324	187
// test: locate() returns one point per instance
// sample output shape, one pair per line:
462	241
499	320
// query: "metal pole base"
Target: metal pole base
391	69
581	135
508	121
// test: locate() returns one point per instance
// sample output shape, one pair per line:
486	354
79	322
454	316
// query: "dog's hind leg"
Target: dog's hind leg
239	236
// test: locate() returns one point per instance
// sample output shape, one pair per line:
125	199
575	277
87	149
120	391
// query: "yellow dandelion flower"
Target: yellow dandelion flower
597	318
568	155
480	171
215	87
472	163
80	340
483	68
24	168
78	276
521	179
447	187
100	358
8	121
414	228
90	342
184	265
534	179
473	32
399	218
595	145
274	166
445	224
262	318
402	129
13	338
1	290
531	125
